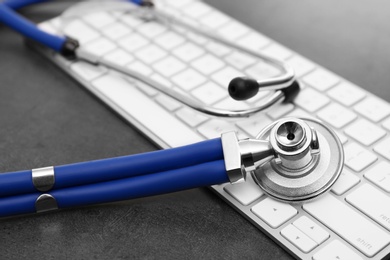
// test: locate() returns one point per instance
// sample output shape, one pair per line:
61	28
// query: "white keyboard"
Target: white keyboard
358	225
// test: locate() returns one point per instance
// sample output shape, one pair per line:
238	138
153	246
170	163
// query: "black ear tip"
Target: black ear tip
291	91
243	88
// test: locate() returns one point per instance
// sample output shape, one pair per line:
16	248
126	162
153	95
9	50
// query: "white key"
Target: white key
229	103
233	30
346	93
343	138
347	223
380	175
279	110
148	90
225	75
218	49
372	202
253	41
99	47
311	100
196	10
277	51
151	29
357	158
169	66
300	65
116	31
191	117
131	101
386	124
132	42
373	108
262	70
48	27
169	103
214	20
209	93
188	79
207	64
98	19
273	212
254	124
246	192
311	229
298	238
118	58
297	112
169	40
131	20
161	80
78	30
150	54
365	132
345	182
240	60
214	128
87	71
140	68
336	250
336	115
197	38
383	148
321	79
178	4
188	52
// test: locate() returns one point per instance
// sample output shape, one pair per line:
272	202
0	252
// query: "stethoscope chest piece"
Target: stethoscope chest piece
308	160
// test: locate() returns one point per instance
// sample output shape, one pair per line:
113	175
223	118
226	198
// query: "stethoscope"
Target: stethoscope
291	160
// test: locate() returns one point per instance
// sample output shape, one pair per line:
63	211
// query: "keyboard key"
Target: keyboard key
99	47
169	103
133	42
217	49
343	138
140	68
214	128
298	238
357	158
231	104
87	71
311	100
347	223
161	80
196	10
383	148
129	99
262	70
373	108
191	117
386	124
336	250
131	20
365	132
225	75
151	29
245	192
188	52
345	182
380	175
169	66
336	115
273	212
277	51
116	31
253	41
240	60
321	79
279	110
118	58
300	65
254	124
188	79
169	40
346	93
148	90
311	229
78	30
371	202
150	54
98	19
207	64
233	30
214	20
209	93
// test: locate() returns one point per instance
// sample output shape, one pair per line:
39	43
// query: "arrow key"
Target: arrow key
298	238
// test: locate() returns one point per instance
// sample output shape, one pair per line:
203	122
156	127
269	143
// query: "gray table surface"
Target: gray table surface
48	119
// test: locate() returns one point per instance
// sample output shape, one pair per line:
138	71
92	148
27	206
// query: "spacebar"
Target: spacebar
129	101
354	228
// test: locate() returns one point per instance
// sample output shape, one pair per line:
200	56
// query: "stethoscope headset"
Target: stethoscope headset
291	160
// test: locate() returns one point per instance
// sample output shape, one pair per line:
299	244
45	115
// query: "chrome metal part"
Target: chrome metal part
231	154
45	202
43	178
305	179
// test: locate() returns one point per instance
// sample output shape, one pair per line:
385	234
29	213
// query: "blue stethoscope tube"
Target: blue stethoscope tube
200	175
14	183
